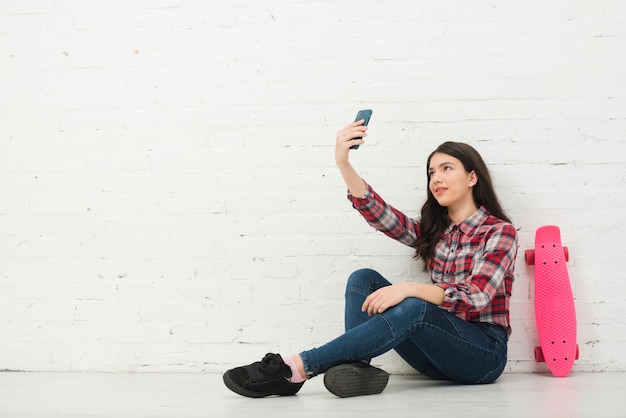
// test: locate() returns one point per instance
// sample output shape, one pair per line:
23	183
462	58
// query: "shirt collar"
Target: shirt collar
471	224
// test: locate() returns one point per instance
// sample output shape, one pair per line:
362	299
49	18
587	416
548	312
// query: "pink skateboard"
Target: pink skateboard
554	302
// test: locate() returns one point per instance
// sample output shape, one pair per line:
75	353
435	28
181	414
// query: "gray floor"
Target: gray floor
204	395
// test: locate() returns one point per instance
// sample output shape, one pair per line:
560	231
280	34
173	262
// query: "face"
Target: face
449	183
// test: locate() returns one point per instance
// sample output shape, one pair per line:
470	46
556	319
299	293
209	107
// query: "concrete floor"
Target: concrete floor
204	395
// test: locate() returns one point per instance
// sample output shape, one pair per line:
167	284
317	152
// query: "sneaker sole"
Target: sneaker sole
241	391
347	380
230	384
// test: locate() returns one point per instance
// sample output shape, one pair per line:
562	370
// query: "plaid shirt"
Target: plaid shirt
473	262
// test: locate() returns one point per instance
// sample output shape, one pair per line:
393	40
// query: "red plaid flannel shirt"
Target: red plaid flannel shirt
474	261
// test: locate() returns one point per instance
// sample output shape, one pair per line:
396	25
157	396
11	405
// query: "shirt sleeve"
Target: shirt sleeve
385	218
490	270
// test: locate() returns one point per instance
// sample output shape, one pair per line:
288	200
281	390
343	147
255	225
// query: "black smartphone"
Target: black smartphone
362	114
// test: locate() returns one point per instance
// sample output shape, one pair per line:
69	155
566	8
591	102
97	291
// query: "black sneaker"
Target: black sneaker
267	377
355	379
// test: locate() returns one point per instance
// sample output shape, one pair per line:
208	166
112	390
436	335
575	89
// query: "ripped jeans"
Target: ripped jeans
436	343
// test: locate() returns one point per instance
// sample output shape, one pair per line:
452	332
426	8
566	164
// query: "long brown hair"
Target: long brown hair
434	217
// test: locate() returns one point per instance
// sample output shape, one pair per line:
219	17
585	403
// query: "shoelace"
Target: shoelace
267	369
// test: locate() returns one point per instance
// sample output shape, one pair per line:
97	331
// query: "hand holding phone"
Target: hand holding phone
362	114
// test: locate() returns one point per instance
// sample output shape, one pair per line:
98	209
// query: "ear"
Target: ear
472	179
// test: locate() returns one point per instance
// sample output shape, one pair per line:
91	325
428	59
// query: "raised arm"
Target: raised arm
345	139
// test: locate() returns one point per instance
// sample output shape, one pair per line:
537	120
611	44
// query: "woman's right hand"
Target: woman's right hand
345	139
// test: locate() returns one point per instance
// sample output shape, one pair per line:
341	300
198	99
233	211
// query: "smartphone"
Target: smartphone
362	114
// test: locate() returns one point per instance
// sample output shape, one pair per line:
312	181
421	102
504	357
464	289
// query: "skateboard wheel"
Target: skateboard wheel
529	257
539	355
566	252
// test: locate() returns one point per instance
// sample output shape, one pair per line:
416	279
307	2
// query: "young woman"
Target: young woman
455	328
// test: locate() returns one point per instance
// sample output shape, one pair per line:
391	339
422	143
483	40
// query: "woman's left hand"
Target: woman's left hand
386	297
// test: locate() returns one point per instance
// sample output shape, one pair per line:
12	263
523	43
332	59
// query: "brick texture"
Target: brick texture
168	195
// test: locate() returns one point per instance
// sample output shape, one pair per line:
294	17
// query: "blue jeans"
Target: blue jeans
434	342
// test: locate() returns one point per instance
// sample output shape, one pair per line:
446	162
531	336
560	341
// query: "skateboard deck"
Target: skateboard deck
554	302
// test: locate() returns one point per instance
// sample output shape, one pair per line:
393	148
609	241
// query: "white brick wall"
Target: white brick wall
168	197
